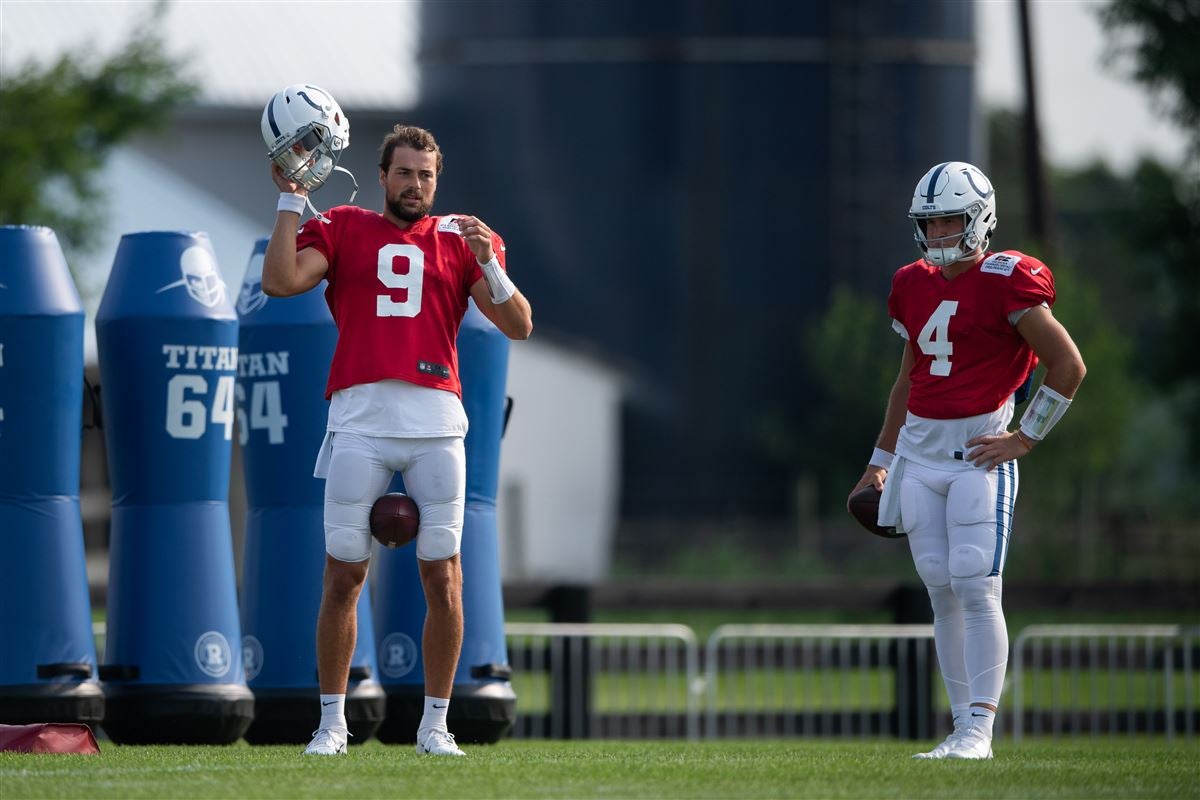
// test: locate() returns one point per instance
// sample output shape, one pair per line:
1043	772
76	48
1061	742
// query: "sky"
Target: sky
1087	110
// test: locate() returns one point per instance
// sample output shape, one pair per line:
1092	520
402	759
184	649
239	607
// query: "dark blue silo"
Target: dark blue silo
48	666
285	346
168	338
717	167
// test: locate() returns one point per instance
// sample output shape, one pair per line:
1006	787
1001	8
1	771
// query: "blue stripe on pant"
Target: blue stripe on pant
1006	498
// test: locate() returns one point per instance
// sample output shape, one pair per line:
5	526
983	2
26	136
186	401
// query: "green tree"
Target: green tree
1159	37
61	121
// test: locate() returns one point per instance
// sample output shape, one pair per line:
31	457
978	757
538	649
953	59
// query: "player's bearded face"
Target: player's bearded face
409	205
410	183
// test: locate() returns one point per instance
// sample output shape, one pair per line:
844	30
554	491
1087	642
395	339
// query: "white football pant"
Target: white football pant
959	523
360	470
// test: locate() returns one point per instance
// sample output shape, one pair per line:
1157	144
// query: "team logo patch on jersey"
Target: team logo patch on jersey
429	368
1001	264
449	225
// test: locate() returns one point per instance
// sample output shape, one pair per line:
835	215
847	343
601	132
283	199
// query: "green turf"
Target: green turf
1126	768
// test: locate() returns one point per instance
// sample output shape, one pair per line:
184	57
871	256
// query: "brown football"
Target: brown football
863	505
394	519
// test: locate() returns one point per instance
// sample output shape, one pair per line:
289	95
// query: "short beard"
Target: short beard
397	208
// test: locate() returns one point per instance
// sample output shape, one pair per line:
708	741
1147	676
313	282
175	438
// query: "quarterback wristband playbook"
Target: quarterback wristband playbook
499	286
291	202
1045	410
881	458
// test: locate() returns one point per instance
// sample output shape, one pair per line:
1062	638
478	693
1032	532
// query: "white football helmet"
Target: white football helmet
305	131
954	188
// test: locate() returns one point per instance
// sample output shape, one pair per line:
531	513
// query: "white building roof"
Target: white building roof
240	53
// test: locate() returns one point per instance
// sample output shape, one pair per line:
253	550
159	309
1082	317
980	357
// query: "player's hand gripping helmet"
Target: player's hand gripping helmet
952	189
306	131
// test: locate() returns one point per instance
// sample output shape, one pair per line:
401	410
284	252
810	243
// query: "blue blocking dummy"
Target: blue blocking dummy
48	658
168	338
483	706
285	346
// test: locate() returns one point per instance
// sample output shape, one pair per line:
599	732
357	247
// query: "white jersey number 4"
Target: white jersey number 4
935	338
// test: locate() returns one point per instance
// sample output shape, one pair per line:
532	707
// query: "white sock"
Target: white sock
435	713
982	718
333	711
962	715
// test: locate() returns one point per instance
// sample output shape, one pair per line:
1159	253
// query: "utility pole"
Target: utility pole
1041	222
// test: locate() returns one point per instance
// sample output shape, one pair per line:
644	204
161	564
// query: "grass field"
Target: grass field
1129	768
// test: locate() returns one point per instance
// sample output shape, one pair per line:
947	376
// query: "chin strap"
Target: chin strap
317	214
353	194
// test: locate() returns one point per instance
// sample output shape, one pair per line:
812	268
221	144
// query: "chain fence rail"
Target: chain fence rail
645	681
1073	680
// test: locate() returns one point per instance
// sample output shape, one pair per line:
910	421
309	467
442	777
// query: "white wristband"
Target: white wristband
881	458
498	283
291	202
1045	410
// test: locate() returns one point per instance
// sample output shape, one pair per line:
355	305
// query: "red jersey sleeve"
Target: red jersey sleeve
1032	284
322	236
895	299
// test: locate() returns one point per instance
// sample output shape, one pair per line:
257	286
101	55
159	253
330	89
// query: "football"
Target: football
863	505
394	519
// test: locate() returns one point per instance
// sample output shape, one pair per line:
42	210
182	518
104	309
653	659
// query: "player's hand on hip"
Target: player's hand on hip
284	183
479	238
992	451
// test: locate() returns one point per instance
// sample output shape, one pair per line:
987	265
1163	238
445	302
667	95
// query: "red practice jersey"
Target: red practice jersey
969	357
397	296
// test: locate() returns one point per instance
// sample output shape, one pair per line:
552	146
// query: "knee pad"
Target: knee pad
977	594
933	571
969	561
347	531
437	544
440	534
347	544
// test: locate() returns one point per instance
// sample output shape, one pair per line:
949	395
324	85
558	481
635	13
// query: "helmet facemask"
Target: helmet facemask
306	131
953	247
309	156
953	189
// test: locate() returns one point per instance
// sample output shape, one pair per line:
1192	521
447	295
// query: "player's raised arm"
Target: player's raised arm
286	272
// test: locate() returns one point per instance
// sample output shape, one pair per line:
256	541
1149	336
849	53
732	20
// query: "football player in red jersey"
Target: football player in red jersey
398	286
975	323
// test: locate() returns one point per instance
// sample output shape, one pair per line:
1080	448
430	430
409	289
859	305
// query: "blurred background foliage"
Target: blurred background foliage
1112	494
61	122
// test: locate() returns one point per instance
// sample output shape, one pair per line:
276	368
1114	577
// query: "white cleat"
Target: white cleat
437	742
974	743
328	742
942	749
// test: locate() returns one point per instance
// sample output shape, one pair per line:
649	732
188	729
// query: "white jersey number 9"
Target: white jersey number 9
411	279
935	338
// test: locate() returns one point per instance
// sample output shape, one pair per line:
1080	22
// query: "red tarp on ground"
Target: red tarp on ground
48	737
